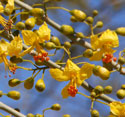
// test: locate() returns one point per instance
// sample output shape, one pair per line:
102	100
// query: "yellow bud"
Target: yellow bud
99	24
94	113
96	70
67	45
1	93
123	86
14	82
55	40
39	21
108	89
14	95
20	26
24	16
121	60
80	35
67	29
15	59
95	13
30	23
36	12
98	89
88	53
89	20
56	107
38	115
120	93
121	31
28	83
78	14
40	85
104	73
93	94
67	115
50	45
30	115
7	12
73	19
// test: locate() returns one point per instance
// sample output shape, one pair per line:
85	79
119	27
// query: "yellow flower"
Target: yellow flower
117	109
34	38
3	52
1	8
15	46
104	44
73	73
10	5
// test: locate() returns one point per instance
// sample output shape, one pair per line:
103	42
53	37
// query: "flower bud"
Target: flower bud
24	16
96	70
15	59
98	89
121	60
80	35
73	19
14	95
99	24
120	93
89	20
67	115
7	11
121	31
39	21
56	107
78	14
93	94
95	12
30	115
38	115
28	83
55	40
67	29
40	85
50	46
14	82
67	45
30	23
20	26
1	93
108	89
94	113
36	12
123	86
88	53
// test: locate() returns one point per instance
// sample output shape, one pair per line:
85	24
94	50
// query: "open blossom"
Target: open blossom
117	109
34	38
74	74
10	5
104	44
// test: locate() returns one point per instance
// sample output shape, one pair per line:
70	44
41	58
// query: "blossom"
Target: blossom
72	73
104	44
3	52
1	8
10	5
15	46
117	108
34	38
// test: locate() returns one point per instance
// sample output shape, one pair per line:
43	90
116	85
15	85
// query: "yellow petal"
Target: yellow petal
1	8
29	37
58	75
97	55
1	60
71	68
15	47
10	5
64	92
95	42
44	33
109	37
3	47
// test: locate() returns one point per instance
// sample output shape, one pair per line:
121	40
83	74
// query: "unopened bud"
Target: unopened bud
99	24
120	93
40	85
67	29
28	83
30	23
121	31
56	107
14	95
95	12
14	82
20	26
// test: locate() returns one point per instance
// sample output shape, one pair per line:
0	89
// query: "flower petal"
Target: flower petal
58	75
64	92
15	47
95	42
1	8
10	5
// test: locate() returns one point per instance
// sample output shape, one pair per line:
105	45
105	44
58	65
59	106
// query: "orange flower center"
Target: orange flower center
72	91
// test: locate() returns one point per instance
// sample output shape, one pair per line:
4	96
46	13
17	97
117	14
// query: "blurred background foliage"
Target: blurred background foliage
112	13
